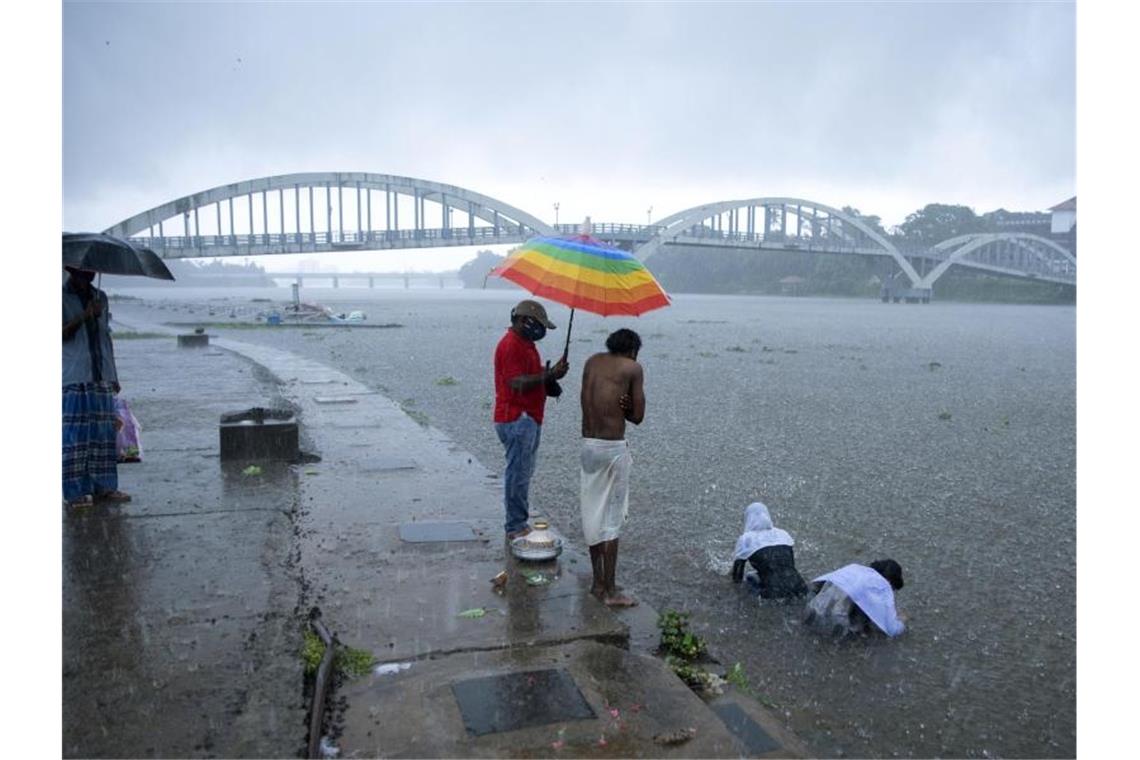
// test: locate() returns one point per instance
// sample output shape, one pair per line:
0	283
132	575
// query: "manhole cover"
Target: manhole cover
519	700
424	532
756	740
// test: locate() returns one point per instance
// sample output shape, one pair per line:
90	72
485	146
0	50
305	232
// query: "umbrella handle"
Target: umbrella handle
569	327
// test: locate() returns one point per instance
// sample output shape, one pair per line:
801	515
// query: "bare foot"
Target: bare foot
525	531
618	600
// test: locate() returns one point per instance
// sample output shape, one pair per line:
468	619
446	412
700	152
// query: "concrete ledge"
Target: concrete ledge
638	701
194	340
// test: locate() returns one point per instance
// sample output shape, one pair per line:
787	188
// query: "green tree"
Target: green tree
936	222
474	273
871	220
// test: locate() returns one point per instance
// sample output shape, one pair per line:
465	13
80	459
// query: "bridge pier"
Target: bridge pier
370	283
407	282
889	294
336	282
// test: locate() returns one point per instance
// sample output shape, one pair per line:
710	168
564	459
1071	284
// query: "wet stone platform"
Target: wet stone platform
183	628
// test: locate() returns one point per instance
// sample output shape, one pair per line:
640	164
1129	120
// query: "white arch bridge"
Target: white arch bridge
356	211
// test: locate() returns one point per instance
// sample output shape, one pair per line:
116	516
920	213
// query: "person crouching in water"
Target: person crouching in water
612	394
769	550
856	599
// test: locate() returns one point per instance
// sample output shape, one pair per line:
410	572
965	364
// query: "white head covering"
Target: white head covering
758	532
871	591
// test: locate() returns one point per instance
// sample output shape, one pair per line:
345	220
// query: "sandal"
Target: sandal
115	497
519	533
82	501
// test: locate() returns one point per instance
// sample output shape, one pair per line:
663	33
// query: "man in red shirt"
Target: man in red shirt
520	398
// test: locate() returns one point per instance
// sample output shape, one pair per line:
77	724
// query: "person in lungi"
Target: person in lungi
90	380
769	550
612	394
856	600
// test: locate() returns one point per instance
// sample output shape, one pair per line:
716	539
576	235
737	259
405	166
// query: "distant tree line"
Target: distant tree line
697	269
214	273
476	274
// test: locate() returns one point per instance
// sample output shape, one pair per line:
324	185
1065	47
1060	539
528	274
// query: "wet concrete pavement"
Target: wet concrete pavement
179	637
184	610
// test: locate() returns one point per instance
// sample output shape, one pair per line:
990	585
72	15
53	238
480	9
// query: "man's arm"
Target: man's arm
635	410
526	382
93	310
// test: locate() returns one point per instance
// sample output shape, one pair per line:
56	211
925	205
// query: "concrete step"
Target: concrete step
581	699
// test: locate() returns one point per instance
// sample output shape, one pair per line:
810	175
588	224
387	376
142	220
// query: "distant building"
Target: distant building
1064	217
1031	222
1064	224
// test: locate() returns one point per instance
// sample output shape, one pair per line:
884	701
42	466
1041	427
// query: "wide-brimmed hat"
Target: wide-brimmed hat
532	309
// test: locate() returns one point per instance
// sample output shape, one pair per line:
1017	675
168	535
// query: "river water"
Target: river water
941	435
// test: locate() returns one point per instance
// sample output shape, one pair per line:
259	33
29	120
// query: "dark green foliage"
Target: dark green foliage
936	222
348	662
676	638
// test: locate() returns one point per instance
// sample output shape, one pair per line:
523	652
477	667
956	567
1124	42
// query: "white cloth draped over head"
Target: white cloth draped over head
871	592
605	488
759	532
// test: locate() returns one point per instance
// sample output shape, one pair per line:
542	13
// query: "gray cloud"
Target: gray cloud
604	107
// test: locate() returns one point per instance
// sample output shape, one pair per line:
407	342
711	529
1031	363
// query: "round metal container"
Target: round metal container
538	545
524	549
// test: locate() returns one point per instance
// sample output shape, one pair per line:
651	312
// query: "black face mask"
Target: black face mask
532	329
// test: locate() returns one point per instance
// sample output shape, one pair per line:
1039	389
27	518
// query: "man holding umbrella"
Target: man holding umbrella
90	381
521	388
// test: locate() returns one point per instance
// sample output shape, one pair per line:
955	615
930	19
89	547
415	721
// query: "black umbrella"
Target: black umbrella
107	254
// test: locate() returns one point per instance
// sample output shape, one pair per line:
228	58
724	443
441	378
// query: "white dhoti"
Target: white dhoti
605	488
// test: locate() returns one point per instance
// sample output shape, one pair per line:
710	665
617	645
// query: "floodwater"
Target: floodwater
941	435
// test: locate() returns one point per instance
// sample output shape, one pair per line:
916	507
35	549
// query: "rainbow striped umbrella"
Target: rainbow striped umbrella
583	273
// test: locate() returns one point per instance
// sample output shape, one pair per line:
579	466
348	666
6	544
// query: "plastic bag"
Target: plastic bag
128	439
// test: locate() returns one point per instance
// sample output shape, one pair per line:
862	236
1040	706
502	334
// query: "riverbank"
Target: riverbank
183	613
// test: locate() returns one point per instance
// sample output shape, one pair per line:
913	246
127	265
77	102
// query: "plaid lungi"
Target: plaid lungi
89	456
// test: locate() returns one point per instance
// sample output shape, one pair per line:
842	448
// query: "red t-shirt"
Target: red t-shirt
516	356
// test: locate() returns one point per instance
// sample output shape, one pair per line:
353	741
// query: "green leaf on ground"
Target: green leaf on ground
534	578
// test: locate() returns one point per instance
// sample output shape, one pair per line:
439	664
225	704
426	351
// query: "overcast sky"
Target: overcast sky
607	109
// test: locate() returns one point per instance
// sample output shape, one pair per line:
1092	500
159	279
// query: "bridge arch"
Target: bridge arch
489	221
845	231
1050	261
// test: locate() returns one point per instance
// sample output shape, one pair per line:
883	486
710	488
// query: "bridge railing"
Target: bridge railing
605	229
488	234
776	239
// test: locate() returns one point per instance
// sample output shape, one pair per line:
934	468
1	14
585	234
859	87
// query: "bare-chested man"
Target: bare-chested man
612	393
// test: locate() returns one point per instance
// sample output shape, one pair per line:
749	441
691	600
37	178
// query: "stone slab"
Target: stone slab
510	701
195	340
634	698
426	532
386	464
755	739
